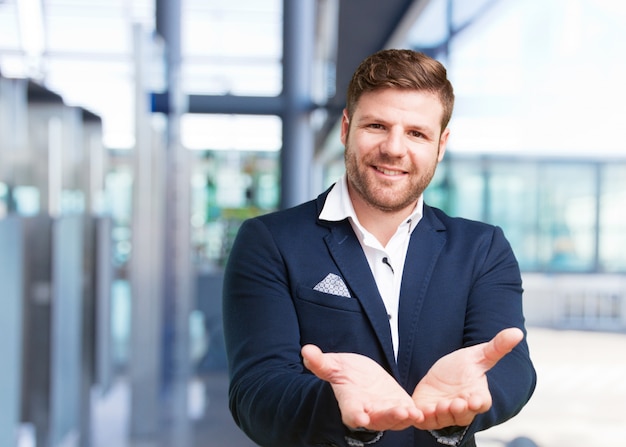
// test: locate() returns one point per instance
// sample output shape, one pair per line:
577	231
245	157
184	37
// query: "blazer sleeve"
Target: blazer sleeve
495	303
272	397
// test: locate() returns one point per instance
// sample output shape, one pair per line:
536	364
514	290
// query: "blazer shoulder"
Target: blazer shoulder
457	223
463	230
296	217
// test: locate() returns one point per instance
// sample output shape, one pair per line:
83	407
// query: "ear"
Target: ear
345	126
443	141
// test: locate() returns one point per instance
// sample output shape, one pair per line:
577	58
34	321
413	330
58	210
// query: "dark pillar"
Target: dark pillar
176	265
298	136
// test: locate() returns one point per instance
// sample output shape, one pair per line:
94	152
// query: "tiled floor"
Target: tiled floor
580	400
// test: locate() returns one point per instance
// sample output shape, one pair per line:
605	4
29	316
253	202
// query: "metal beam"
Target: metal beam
229	104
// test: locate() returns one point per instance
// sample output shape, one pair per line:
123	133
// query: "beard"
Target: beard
387	196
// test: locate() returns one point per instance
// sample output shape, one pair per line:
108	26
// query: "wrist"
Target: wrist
360	437
451	436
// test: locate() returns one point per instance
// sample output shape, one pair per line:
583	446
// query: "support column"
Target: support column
298	137
145	275
178	271
11	314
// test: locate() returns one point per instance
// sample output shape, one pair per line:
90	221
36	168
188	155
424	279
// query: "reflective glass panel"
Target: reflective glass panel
612	237
467	189
566	217
513	199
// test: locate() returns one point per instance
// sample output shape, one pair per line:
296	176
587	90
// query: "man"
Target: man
366	317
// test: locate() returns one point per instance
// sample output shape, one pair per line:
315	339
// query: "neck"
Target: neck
381	224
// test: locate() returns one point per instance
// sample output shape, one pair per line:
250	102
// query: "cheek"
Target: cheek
364	144
424	157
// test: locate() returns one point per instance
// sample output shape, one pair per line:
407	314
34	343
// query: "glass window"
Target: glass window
232	47
227	188
612	236
467	189
567	217
438	191
512	205
27	200
4	200
231	132
118	198
548	210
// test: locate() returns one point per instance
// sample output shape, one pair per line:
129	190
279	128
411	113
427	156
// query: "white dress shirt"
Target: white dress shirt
386	263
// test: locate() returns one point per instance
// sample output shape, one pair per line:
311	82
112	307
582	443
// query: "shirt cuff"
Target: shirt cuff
362	437
450	435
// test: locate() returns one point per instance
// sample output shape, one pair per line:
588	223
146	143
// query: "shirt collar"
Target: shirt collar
338	206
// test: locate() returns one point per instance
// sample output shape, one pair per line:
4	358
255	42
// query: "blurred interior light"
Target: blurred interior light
31	23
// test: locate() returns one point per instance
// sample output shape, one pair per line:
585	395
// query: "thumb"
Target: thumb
501	345
313	358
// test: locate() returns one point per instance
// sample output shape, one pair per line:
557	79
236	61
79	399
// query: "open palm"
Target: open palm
453	392
368	396
455	389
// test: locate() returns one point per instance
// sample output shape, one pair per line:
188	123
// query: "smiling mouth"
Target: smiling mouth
389	171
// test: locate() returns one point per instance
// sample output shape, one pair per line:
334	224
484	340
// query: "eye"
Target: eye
376	126
416	134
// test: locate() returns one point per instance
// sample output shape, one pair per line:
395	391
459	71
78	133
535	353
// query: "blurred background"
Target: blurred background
136	136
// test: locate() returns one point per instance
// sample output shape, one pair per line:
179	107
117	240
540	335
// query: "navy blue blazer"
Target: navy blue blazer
461	285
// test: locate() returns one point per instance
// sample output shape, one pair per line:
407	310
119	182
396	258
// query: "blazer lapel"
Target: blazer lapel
427	241
349	257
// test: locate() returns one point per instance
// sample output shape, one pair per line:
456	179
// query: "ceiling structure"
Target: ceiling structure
83	49
231	51
362	27
79	49
365	26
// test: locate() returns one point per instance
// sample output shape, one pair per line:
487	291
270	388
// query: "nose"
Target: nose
394	144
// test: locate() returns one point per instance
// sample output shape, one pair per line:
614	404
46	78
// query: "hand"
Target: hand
455	389
368	396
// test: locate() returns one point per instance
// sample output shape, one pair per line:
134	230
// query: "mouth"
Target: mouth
389	172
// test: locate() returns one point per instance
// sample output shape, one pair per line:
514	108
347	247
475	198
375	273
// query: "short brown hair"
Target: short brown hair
402	69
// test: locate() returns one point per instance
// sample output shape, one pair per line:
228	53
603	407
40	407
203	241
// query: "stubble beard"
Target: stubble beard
378	194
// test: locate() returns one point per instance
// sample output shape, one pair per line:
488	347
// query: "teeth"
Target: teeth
388	172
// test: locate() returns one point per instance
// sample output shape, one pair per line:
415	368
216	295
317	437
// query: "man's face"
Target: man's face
393	144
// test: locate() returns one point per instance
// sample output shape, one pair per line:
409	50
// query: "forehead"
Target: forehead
394	102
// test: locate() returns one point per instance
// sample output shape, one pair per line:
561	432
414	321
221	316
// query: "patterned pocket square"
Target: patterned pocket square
333	285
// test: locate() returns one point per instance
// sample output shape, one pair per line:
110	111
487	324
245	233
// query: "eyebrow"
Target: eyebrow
419	127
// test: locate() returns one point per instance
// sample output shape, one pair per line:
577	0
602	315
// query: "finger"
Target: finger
454	412
381	415
479	403
457	411
314	361
501	345
448	410
461	413
430	420
414	418
458	407
353	416
396	418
